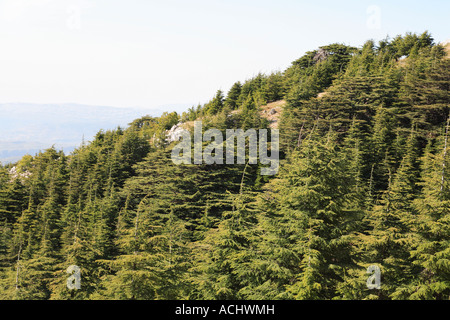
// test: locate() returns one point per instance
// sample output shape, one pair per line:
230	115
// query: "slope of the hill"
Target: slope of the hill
446	45
364	183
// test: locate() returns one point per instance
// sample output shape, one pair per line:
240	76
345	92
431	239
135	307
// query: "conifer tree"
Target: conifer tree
233	96
391	237
431	255
314	195
226	265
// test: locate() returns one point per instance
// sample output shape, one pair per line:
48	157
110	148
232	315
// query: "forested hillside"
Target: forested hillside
364	180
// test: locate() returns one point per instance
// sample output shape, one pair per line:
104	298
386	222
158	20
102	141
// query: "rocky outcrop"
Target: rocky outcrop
175	133
17	174
272	112
321	55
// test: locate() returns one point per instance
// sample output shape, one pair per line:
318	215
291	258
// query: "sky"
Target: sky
147	54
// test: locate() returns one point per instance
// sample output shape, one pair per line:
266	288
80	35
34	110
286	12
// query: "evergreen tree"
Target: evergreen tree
233	96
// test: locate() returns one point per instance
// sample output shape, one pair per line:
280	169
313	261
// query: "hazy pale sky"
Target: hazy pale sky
144	53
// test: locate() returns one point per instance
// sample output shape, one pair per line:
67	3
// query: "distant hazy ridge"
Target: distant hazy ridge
28	128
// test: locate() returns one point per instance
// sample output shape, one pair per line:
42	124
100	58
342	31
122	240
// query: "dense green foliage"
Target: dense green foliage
364	180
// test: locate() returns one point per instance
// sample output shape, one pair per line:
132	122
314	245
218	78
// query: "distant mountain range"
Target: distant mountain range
28	128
